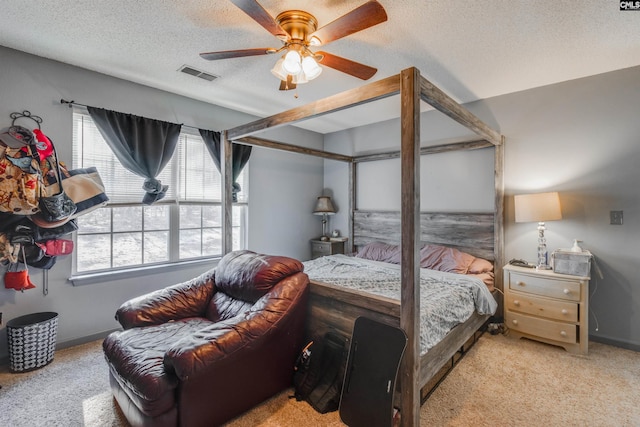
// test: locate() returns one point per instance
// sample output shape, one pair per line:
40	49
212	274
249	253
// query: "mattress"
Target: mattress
446	299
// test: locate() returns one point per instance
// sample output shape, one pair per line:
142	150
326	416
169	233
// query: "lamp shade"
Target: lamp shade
292	63
278	70
299	78
311	68
538	207
324	206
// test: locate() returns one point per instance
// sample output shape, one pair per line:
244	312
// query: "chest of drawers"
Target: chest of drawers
322	248
547	307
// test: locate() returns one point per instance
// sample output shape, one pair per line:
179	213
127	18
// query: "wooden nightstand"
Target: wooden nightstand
547	307
320	248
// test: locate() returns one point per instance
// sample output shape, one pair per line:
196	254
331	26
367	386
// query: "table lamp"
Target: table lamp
324	207
539	208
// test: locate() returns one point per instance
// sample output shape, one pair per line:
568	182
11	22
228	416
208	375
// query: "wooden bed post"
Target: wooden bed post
498	227
410	238
227	200
352	203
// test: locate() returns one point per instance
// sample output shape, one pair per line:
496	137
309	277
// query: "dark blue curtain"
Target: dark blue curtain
143	146
239	156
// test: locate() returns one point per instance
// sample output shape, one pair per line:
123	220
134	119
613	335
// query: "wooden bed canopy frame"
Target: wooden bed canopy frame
412	88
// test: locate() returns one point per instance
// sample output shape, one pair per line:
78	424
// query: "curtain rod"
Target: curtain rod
72	103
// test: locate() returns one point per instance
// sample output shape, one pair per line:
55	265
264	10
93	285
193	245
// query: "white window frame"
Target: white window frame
240	223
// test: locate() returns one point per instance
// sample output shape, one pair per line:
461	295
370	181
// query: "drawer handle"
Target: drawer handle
520	283
565	311
566	291
514	321
516	303
563	333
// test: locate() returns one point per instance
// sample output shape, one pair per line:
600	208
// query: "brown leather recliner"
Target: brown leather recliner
204	351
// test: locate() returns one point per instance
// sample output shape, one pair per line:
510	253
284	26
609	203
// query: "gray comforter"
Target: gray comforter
446	299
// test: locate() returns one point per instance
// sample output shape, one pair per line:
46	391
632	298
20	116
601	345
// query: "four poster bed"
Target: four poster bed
336	307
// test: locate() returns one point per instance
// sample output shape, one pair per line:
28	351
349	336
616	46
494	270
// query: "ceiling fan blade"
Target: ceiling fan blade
224	54
347	66
287	84
262	17
369	14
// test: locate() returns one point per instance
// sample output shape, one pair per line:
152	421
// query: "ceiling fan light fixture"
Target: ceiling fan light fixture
292	63
298	30
278	70
311	68
300	78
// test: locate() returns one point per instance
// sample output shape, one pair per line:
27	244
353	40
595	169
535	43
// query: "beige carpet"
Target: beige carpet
500	382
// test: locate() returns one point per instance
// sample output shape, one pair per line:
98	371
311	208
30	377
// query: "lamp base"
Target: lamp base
542	249
324	238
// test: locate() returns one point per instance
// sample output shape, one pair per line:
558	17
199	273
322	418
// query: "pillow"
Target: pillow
480	265
442	258
378	251
487	278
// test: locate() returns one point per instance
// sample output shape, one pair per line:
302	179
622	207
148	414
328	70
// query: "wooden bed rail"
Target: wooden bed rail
439	100
371	92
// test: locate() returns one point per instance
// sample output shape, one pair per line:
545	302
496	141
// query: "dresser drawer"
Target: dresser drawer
545	286
549	329
321	248
542	307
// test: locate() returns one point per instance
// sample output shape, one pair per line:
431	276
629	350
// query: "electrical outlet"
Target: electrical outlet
616	217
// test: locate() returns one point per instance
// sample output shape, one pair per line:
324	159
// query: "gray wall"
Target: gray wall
580	138
281	196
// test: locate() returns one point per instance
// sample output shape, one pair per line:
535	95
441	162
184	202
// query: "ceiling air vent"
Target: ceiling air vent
197	73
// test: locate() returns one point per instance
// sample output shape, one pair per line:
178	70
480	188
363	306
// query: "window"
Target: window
185	225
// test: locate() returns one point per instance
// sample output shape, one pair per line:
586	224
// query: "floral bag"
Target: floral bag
20	174
20	182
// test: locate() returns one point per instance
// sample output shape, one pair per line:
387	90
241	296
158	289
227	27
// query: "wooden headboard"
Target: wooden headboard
469	232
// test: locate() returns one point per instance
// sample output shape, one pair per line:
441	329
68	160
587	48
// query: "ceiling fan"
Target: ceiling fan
298	31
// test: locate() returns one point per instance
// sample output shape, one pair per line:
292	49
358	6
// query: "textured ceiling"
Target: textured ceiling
470	49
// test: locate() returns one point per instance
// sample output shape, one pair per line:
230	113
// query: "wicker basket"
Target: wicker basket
32	341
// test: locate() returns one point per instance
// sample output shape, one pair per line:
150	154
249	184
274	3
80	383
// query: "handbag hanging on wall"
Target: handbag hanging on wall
56	247
85	188
26	227
8	251
20	174
55	205
18	280
20	181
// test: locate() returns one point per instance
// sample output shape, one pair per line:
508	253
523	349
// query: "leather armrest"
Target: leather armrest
188	299
194	354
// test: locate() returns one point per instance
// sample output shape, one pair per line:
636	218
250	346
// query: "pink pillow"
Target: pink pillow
378	251
487	278
442	258
479	266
